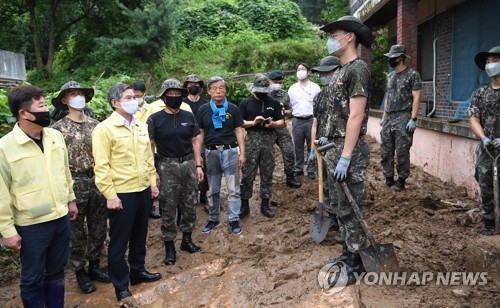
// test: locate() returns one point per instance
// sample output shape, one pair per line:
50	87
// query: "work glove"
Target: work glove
496	143
486	142
382	121
322	141
411	126
312	157
340	173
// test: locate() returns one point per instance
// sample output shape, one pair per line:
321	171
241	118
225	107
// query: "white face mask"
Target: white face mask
492	69
333	45
77	102
276	86
139	100
325	80
301	75
130	106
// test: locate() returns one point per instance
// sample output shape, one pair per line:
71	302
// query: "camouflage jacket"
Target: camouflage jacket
320	113
282	97
352	79
485	105
78	138
399	89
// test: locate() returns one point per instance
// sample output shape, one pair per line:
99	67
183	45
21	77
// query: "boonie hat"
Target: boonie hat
352	24
327	64
261	84
192	78
480	58
70	86
172	83
396	51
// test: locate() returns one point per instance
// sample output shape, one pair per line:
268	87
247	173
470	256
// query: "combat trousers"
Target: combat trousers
284	142
395	139
484	176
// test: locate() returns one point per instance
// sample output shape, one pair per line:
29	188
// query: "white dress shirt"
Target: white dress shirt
301	98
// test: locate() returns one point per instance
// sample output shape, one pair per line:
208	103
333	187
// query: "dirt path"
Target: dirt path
274	262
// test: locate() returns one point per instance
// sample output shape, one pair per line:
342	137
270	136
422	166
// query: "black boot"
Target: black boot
187	244
34	300
341	258
354	267
334	223
245	208
54	293
203	197
489	227
399	185
291	181
169	253
265	210
95	273
389	181
84	282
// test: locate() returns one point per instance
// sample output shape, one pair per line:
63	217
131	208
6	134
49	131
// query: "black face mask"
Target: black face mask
261	96
42	118
193	90
173	102
393	62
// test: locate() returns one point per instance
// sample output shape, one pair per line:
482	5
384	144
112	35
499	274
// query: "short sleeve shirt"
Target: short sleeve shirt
173	133
195	105
485	105
225	134
399	89
269	107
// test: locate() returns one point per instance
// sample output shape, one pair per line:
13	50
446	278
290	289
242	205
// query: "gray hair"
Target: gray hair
116	91
215	79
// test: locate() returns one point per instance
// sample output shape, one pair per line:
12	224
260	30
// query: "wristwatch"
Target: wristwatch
415	119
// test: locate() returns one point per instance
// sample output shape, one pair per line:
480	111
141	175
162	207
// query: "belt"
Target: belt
221	147
88	174
178	159
304	118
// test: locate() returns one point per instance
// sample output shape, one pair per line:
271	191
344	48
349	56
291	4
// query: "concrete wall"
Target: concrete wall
447	156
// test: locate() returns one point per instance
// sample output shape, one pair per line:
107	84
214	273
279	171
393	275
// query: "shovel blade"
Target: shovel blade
319	227
380	258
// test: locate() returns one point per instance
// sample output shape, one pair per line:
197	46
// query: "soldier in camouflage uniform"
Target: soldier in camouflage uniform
283	138
261	116
87	240
347	105
484	118
173	132
401	106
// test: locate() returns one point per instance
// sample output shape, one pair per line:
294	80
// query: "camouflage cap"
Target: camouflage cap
261	84
172	83
276	75
192	78
480	58
69	86
327	64
396	51
352	24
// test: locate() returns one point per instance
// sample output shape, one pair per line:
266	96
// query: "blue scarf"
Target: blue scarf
219	114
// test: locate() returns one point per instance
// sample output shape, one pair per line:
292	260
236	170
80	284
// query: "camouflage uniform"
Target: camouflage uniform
353	79
394	136
485	105
283	137
90	202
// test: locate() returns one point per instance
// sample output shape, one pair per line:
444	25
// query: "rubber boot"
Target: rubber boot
187	244
341	258
245	208
389	181
95	273
84	282
54	293
169	253
34	300
334	222
203	197
354	266
265	210
489	227
399	185
291	181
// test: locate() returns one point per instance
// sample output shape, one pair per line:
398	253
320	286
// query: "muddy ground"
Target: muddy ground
274	262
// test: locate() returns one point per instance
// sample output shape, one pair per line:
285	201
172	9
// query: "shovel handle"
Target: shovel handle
319	158
358	215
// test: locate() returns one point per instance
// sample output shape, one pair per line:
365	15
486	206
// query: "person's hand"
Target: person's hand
114	204
382	121
241	161
486	142
157	180
411	126
258	119
199	173
340	173
13	242
322	141
73	210
496	143
154	192
312	157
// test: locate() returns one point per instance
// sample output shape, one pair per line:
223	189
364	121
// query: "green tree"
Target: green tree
335	9
312	9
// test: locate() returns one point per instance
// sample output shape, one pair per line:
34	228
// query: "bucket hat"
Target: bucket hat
352	24
70	86
192	78
172	83
260	84
396	51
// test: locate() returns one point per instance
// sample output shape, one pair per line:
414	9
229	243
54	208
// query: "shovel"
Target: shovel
376	257
319	224
496	193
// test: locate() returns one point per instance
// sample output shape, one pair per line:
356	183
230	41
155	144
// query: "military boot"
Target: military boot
399	185
245	208
334	222
291	181
489	227
354	267
84	282
341	258
389	181
187	243
265	210
169	253
95	273
203	197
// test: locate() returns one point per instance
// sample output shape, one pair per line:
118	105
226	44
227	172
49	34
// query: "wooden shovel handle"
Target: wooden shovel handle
319	159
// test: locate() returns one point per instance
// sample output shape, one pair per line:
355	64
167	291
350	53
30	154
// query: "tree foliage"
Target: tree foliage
335	9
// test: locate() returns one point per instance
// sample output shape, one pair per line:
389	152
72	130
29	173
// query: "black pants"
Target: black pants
128	226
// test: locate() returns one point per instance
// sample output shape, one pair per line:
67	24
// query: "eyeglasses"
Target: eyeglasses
337	35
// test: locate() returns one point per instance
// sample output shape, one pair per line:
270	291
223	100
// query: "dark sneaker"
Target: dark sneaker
210	225
399	185
389	181
311	175
235	227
